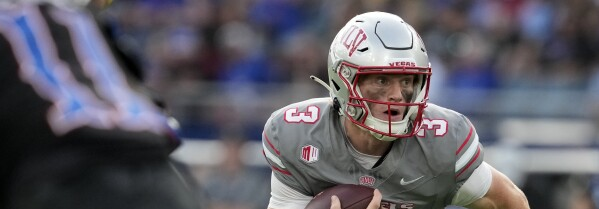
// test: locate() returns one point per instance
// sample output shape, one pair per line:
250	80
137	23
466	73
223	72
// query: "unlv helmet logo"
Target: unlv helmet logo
352	38
309	154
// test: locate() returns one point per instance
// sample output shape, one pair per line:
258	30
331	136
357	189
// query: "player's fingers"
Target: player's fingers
376	200
335	203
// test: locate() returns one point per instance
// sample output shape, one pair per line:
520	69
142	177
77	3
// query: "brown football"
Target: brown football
351	197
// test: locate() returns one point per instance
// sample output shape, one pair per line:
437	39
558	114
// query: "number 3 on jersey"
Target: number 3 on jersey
311	115
439	125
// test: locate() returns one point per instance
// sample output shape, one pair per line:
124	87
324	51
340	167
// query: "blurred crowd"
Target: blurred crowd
217	61
239	45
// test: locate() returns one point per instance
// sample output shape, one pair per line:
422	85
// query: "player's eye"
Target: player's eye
382	80
406	82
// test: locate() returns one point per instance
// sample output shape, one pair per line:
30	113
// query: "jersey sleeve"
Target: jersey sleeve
275	156
475	187
469	153
270	144
283	196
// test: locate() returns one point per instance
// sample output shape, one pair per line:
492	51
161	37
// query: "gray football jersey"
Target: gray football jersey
306	147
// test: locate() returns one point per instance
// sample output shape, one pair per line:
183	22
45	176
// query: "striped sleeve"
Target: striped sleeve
469	153
270	149
273	155
276	148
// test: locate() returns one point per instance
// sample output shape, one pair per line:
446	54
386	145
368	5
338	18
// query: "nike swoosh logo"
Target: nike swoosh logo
403	183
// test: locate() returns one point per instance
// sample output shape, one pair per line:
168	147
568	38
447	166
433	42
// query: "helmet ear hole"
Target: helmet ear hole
335	85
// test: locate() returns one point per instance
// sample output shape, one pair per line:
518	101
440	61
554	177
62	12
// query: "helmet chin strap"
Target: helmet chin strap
336	104
314	78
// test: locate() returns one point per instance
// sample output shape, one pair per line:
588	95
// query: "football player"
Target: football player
77	129
378	130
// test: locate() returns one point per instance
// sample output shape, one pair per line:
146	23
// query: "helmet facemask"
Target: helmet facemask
394	126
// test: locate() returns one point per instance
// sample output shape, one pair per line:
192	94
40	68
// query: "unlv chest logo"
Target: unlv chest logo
352	38
367	180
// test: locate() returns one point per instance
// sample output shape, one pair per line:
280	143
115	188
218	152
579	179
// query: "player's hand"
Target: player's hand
374	204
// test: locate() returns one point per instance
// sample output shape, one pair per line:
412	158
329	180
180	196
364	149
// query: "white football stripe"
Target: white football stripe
272	157
470	152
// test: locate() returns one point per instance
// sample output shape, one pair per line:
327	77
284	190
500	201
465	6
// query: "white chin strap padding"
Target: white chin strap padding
398	127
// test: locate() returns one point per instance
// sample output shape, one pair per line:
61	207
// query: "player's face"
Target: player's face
395	88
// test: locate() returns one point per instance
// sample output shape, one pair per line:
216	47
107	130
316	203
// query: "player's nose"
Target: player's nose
395	92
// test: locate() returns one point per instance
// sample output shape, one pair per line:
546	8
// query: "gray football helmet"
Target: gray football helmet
372	43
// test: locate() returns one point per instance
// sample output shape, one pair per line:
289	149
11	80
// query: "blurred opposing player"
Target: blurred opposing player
76	131
378	130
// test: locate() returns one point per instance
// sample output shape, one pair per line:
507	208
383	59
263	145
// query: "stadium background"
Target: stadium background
526	72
